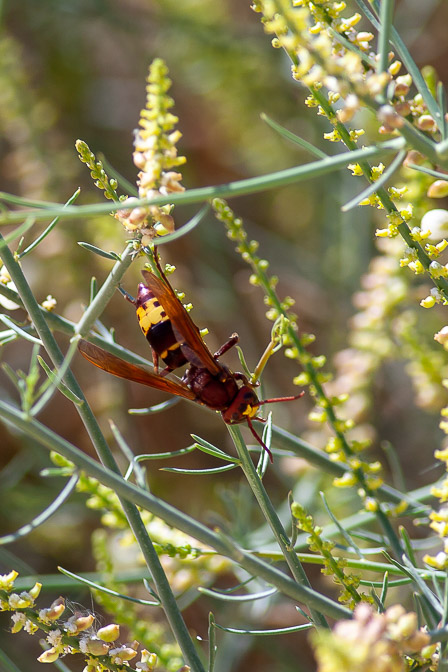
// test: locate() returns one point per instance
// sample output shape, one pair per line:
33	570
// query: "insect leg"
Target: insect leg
259	439
126	295
233	340
155	361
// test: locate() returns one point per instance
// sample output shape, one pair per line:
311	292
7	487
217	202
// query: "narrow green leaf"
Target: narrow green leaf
376	599
384	588
7	336
157	408
59	384
56	472
103	589
231	190
243	361
20	231
12	375
20	332
345	535
210	449
101	253
267	633
163	456
93	289
200	472
428	171
429	617
134	467
192	224
150	590
408	545
44	515
124	184
250	597
304	144
49	228
427	596
263	460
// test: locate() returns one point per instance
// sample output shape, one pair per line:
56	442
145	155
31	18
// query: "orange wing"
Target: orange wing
184	328
119	367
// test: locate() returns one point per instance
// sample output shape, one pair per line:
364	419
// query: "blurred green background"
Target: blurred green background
74	69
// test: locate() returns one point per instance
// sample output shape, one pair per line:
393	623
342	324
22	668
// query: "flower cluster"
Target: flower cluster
439	518
327	51
97	172
155	156
372	642
152	632
74	635
334	567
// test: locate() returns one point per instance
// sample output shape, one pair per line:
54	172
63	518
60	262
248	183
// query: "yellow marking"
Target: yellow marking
164	354
150	315
251	411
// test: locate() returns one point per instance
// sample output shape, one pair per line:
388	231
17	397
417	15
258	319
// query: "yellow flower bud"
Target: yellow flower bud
123	653
426	123
7	580
442	337
438	189
402	85
109	633
395	68
35	590
94	646
49	656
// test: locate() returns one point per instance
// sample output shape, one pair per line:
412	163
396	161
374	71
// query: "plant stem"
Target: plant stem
96	308
270	514
239	188
386	14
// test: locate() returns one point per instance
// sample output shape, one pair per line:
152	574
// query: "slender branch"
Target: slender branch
386	14
248	186
270	514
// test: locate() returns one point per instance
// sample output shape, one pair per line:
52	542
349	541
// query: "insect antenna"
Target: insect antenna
277	399
259	439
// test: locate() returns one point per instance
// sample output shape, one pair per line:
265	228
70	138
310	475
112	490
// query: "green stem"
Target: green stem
171	515
386	14
96	308
270	514
166	596
241	187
